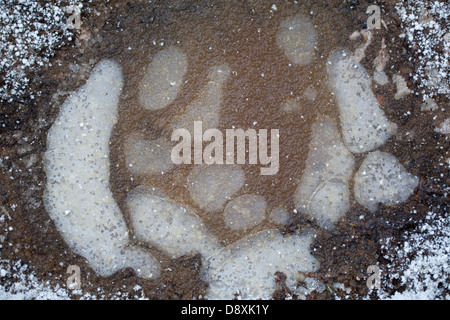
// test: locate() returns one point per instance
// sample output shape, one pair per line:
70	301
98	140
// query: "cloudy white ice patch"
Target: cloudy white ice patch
168	225
382	179
245	212
78	196
206	107
162	80
297	38
30	32
211	186
148	157
364	124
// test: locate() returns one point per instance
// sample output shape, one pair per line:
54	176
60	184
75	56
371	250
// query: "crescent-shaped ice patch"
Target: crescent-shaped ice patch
78	196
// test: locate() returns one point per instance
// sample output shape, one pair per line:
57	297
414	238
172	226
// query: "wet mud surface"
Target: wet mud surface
241	34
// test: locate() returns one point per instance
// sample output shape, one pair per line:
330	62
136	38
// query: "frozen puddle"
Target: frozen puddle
80	200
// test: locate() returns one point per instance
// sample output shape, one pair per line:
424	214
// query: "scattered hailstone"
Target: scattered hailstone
30	32
426	30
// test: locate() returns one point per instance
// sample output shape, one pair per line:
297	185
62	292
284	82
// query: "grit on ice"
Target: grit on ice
213	152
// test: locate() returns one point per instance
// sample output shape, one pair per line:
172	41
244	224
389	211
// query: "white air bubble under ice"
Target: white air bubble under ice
364	124
168	225
206	107
163	78
382	179
247	268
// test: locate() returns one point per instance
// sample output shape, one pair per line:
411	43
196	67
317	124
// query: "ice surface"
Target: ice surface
206	107
248	266
168	225
444	128
211	186
245	211
382	179
323	190
163	78
279	216
364	124
148	157
297	38
77	195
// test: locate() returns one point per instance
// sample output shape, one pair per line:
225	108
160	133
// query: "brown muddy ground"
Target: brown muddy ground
344	254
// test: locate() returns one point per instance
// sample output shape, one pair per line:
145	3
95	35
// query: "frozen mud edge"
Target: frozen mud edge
78	196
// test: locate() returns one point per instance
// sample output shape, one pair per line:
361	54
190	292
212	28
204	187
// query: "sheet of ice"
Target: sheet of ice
168	225
163	78
297	38
245	211
382	179
78	196
211	186
206	107
364	124
148	157
247	267
323	191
